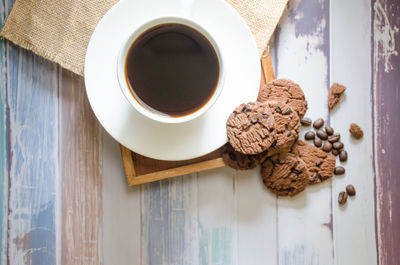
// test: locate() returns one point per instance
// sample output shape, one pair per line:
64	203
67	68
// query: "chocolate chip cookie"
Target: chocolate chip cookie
251	128
286	91
287	126
241	161
320	164
285	174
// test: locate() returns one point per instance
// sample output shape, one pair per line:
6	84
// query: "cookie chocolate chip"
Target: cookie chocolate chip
241	161
285	174
287	126
285	91
317	161
251	128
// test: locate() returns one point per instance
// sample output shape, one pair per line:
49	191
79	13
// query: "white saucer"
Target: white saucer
170	141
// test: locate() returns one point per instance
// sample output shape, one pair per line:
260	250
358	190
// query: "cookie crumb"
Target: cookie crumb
335	92
356	131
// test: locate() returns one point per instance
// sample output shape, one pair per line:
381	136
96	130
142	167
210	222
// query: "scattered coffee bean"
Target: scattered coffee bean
278	110
306	121
318	163
339	170
317	142
289	133
327	146
342	199
309	135
321	134
343	155
334	138
335	152
318	123
329	130
350	190
254	121
338	145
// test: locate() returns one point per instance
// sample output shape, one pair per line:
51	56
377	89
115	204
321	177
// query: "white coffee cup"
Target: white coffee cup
123	82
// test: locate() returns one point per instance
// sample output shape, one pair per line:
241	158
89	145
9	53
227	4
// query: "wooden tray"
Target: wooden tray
140	169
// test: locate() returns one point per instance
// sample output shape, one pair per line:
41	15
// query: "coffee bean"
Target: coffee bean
306	121
335	152
327	147
321	134
278	110
254	121
314	176
329	130
318	123
342	199
334	138
317	142
318	163
289	133
309	135
339	170
343	155
338	145
350	190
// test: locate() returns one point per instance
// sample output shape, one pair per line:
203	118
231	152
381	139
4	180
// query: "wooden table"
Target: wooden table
64	198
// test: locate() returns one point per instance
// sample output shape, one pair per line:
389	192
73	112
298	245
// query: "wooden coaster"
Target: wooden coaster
140	169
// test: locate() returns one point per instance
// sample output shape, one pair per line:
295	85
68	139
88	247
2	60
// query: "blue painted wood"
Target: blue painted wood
32	127
3	144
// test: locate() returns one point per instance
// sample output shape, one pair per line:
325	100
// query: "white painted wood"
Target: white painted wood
121	210
217	213
351	65
304	236
256	220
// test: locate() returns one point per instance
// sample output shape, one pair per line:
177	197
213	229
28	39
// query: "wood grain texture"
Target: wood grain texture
3	143
304	223
351	66
386	90
32	105
81	175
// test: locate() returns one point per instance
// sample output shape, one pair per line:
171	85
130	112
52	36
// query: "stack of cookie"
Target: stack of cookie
266	133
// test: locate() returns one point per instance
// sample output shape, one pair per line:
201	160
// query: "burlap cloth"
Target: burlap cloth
60	30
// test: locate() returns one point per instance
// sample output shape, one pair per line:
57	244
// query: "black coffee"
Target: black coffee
172	70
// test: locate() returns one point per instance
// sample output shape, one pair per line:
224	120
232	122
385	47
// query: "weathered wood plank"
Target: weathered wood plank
217	216
81	175
121	210
302	54
351	66
169	223
3	145
386	90
32	177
